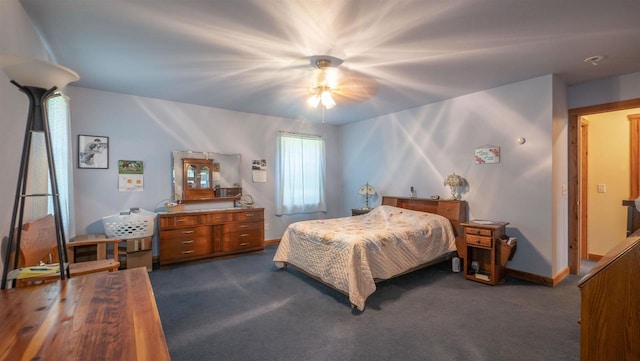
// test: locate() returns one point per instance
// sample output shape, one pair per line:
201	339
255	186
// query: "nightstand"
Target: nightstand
359	211
483	247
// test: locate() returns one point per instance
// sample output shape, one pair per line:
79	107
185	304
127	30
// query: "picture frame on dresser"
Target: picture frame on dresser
93	152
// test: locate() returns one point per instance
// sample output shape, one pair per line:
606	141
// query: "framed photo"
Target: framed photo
93	152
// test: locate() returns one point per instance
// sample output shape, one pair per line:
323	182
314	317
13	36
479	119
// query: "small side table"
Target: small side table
359	211
484	251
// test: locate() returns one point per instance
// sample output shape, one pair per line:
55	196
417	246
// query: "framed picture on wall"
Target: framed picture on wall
93	152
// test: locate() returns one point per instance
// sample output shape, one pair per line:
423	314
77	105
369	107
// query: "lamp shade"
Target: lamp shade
367	190
36	73
454	181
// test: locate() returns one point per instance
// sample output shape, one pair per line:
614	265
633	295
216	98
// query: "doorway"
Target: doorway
576	220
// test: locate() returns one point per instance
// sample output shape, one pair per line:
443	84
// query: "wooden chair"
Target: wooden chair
38	244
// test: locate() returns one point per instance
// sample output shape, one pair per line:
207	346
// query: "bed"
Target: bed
351	254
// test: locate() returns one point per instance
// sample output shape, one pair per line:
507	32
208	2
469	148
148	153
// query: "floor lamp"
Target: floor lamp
38	80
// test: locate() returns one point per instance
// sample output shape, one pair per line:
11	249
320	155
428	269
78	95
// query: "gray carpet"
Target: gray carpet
245	309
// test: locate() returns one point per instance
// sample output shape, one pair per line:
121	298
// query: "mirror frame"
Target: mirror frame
221	183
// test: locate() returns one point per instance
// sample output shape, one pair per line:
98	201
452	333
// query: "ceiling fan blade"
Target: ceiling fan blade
355	86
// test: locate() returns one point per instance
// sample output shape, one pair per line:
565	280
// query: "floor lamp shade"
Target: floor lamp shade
36	73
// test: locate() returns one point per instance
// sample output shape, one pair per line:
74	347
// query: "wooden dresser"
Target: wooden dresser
188	236
610	311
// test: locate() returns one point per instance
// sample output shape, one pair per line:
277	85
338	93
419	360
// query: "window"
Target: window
57	108
300	174
60	129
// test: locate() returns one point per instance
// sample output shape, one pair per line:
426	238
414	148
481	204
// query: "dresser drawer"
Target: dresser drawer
480	241
179	220
236	241
217	218
241	226
186	233
180	249
185	243
249	215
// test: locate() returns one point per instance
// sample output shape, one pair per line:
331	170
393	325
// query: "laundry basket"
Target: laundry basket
135	223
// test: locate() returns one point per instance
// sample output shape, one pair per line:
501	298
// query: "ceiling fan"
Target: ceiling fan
324	81
331	83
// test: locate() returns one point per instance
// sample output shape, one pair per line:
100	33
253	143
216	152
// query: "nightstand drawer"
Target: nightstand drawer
478	231
478	241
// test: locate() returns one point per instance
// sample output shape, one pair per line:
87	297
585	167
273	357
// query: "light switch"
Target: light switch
602	188
564	189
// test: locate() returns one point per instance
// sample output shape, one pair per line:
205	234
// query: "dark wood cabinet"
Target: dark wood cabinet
483	252
189	236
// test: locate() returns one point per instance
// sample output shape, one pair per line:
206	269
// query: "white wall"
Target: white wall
150	129
608	90
560	178
18	38
421	146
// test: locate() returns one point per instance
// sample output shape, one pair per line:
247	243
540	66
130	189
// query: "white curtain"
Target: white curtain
60	128
300	174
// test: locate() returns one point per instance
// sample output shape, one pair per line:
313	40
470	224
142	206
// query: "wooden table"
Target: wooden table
105	316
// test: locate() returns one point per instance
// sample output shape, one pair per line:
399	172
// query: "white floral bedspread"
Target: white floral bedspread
349	253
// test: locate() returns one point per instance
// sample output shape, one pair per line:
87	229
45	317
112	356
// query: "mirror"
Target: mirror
206	176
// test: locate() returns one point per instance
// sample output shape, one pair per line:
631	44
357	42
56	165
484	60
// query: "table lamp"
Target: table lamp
366	191
454	181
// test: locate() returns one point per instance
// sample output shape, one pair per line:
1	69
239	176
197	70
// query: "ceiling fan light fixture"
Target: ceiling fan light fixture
313	101
324	82
327	100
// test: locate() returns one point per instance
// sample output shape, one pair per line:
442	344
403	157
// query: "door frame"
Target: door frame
583	144
574	181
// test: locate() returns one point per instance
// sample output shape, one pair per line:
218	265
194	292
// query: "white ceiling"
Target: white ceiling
252	56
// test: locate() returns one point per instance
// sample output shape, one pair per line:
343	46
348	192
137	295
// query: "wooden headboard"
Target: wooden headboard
455	211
